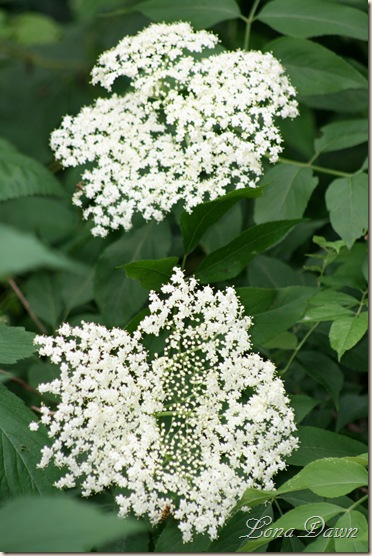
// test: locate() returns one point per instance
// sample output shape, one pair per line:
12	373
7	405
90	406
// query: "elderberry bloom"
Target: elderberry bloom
189	129
186	424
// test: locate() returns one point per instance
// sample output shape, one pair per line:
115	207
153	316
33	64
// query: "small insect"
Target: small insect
165	512
79	185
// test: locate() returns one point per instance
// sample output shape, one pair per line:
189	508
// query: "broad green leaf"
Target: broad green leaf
302	405
321	544
362	459
194	225
331	296
228	228
171	537
355	538
85	9
345	332
352	407
323	370
229	537
15	344
31	28
50	219
313	69
351	101
315	18
347	202
20	252
23	176
284	340
151	273
254	497
301	518
325	313
201	14
300	133
43	292
75	290
118	297
317	443
342	135
301	497
329	477
59	524
272	272
287	195
20	452
230	260
287	310
256	300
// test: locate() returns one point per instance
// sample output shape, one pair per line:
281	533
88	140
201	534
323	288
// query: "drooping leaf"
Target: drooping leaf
313	69
15	344
20	252
118	297
201	14
323	370
328	477
59	524
194	225
316	443
345	332
287	194
21	176
347	202
151	273
20	452
230	260
342	135
357	538
315	18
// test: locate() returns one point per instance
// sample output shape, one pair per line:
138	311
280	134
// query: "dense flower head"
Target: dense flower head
187	424
189	128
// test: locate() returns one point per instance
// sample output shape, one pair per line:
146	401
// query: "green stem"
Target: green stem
183	264
361	303
317	168
249	20
363	499
298	349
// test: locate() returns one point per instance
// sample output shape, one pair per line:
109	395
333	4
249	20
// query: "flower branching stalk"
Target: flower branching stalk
173	429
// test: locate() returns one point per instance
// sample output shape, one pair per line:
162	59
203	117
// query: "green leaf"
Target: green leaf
230	260
342	135
254	497
325	313
313	69
302	405
118	297
329	477
346	332
284	340
323	370
351	520
35	28
229	537
287	195
194	225
256	300
201	14
362	459
23	176
20	452
317	443
20	252
330	296
15	344
229	226
272	272
151	273
43	292
299	518
347	202
321	544
289	306
59	524
352	407
315	18
171	536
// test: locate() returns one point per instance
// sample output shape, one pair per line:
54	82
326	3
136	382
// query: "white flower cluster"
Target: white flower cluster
187	130
185	430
